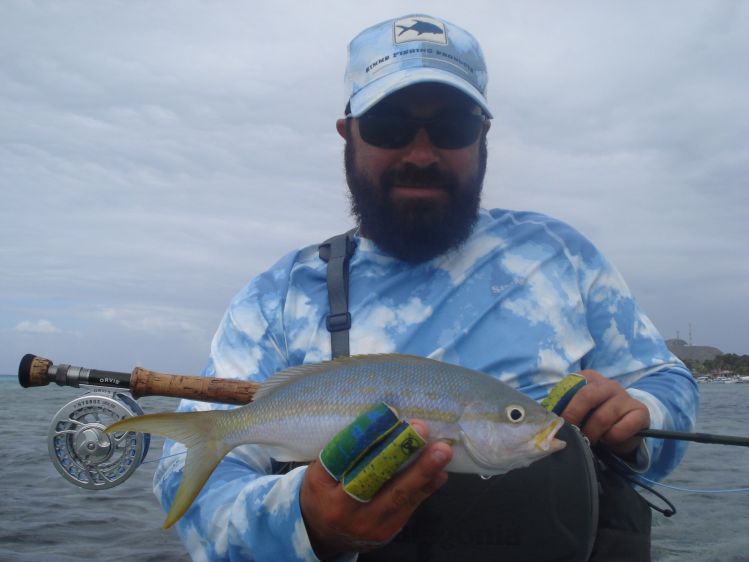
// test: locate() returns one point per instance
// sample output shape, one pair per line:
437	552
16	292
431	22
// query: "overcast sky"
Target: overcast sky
155	156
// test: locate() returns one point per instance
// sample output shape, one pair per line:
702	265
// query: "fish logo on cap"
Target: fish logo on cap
421	28
413	49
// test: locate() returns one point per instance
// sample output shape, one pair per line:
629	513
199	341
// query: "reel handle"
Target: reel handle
38	371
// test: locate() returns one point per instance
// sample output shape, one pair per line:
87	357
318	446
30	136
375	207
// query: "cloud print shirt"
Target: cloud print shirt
526	299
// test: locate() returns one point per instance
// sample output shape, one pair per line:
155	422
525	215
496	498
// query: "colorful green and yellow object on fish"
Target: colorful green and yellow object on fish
366	453
492	427
562	392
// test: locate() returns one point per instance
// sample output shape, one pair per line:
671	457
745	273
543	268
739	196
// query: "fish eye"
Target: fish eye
516	414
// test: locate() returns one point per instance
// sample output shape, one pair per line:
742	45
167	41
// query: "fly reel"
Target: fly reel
84	453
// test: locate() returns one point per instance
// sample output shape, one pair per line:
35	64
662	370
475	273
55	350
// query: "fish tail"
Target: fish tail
203	435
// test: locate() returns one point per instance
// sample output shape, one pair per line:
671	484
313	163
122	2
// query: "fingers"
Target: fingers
325	508
606	413
402	495
421	427
338	523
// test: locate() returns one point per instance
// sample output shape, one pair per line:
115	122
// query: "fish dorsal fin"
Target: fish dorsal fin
287	376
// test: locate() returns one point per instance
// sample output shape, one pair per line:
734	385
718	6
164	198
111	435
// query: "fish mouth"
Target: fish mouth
544	439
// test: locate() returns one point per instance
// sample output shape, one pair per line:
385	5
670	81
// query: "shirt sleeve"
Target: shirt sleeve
243	512
630	349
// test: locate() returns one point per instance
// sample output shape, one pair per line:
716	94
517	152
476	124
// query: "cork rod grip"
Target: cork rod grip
224	391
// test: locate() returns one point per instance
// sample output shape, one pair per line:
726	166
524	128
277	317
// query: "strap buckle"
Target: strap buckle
338	322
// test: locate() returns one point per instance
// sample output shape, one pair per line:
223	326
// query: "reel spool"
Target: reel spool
87	456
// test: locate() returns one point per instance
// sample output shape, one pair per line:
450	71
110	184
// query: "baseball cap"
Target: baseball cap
409	50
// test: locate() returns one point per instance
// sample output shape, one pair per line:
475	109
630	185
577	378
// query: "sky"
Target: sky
155	156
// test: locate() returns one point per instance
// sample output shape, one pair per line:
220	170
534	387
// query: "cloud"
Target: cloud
149	320
37	327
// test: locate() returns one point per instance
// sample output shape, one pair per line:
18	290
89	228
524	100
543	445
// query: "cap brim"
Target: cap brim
381	88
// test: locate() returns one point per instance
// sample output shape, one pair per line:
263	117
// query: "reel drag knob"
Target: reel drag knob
83	453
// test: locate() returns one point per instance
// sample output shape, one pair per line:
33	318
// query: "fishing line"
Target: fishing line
165	457
710	438
695	490
636	478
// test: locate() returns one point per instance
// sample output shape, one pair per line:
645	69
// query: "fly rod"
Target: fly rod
696	437
89	457
38	371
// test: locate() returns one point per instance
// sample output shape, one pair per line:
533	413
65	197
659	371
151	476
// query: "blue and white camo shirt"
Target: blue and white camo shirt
527	300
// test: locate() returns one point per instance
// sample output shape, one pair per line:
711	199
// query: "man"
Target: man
517	295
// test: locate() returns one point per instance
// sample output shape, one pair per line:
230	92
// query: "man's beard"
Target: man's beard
415	230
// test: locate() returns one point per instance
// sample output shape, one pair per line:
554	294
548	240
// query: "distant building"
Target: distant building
687	352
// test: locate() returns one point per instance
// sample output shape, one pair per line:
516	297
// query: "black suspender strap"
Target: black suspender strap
337	252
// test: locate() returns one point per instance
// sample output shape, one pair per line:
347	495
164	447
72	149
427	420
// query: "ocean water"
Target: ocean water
45	518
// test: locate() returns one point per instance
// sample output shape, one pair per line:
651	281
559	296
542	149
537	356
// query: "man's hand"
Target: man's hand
607	414
337	523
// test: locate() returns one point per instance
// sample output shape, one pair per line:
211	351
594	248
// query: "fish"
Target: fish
422	27
492	427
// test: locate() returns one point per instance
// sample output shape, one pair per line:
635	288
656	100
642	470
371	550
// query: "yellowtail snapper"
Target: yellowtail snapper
492	427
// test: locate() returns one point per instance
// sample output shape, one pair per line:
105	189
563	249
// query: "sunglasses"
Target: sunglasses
451	130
